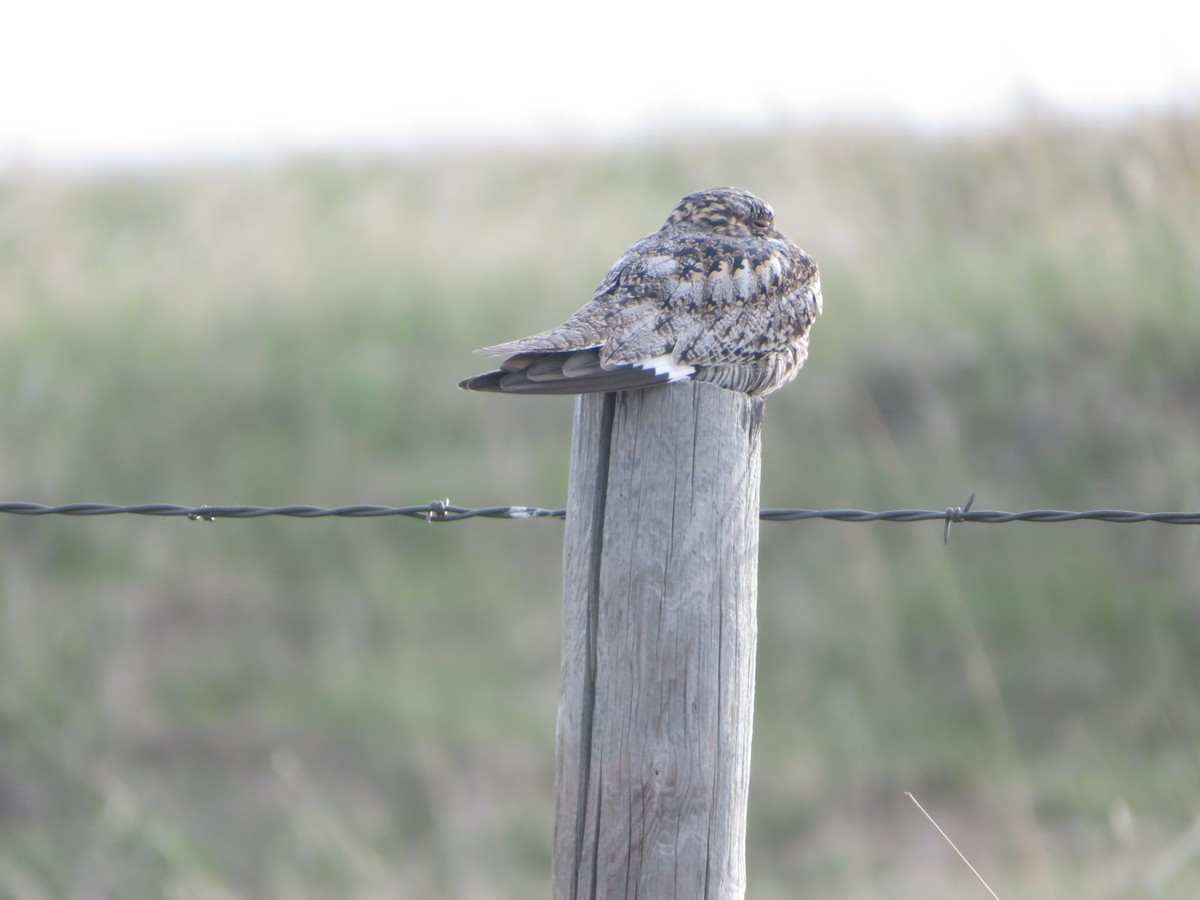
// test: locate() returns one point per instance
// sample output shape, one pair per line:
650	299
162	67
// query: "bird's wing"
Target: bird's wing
565	372
620	306
672	303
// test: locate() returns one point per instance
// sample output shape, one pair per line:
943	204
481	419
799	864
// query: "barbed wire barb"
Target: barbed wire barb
955	514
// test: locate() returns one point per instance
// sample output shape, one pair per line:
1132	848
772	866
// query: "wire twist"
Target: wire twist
444	511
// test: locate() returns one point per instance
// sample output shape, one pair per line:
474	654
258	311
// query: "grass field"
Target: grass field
293	709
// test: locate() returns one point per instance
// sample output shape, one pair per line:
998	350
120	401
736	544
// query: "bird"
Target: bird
717	295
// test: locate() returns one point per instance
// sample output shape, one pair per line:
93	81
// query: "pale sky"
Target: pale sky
146	80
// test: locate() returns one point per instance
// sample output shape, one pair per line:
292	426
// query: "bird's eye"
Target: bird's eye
761	224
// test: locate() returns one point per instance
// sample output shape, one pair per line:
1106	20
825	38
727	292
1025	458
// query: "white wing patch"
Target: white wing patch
743	282
687	292
770	273
722	288
666	365
657	266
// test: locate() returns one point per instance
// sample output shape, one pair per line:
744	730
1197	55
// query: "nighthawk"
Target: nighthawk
716	294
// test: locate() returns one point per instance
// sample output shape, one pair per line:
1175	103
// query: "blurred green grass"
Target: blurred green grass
365	708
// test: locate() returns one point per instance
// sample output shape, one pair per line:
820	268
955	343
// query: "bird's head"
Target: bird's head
725	210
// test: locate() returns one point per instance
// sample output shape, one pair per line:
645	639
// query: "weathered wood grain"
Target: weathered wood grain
659	635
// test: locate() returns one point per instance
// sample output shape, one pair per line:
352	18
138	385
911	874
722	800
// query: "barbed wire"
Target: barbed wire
437	511
445	511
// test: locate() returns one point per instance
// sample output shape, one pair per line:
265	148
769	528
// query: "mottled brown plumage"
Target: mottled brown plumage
716	294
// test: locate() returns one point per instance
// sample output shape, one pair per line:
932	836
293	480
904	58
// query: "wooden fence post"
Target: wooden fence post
659	635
